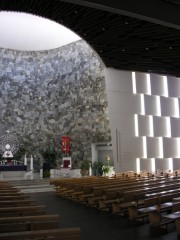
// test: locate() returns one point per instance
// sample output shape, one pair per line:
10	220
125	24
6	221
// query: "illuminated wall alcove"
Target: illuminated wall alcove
144	119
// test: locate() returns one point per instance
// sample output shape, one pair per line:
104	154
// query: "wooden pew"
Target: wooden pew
22	210
61	233
27	223
19	202
23	219
140	213
9	190
14	197
110	196
125	202
157	220
9	193
177	223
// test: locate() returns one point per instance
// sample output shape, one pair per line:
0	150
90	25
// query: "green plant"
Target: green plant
84	165
20	154
97	168
50	156
106	168
46	173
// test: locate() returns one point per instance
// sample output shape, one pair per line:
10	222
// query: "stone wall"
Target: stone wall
44	95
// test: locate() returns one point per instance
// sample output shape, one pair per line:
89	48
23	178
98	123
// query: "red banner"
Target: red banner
65	141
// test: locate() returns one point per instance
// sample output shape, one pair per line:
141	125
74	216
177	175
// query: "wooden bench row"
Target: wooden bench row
140	198
22	218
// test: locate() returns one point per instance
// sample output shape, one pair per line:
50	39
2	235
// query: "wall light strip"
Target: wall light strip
148	84
178	148
170	164
153	167
158	105
134	82
168	126
144	147
138	165
176	107
165	85
136	125
142	105
161	147
151	126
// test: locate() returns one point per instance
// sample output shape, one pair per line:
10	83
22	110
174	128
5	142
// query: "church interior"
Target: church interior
89	126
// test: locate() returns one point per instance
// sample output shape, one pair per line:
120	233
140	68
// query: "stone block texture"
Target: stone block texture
45	95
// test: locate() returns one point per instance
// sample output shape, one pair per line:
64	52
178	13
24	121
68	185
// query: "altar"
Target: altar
10	171
65	173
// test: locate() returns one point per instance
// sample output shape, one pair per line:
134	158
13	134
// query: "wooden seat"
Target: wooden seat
158	221
125	202
177	223
22	210
19	202
61	233
136	213
27	223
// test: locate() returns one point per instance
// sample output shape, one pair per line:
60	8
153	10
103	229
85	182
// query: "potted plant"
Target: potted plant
84	167
46	174
97	168
106	168
50	156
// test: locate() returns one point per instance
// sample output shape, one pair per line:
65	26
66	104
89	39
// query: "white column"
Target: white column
25	160
31	163
90	170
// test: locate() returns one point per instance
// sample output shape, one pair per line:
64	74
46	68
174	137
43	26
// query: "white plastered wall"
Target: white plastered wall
144	118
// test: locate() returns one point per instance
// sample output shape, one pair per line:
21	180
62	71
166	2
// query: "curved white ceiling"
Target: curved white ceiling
26	32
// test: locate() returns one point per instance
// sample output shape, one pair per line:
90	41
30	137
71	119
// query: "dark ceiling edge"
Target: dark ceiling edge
121	42
122	12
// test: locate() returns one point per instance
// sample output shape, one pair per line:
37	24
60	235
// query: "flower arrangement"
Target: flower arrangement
106	168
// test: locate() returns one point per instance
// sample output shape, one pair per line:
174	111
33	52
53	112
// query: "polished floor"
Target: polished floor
94	225
100	226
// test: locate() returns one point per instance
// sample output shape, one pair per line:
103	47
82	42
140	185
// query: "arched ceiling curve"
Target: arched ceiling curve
122	42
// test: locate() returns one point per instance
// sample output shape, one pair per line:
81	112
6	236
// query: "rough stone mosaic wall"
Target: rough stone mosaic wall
44	95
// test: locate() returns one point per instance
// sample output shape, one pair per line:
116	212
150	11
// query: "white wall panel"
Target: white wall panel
144	125
141	83
168	107
162	164
171	147
125	124
145	164
122	80
137	147
153	150
175	127
173	86
150	103
176	164
160	127
124	103
155	100
157	85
